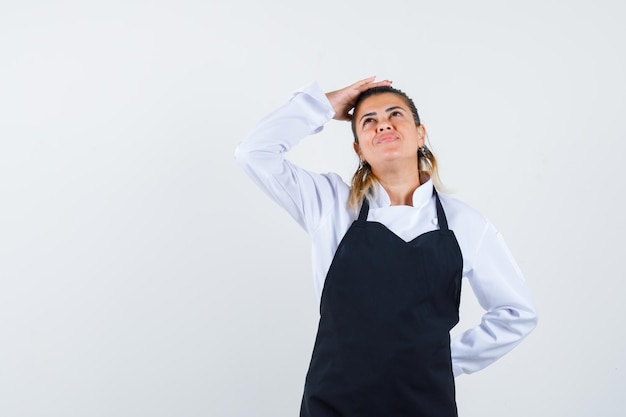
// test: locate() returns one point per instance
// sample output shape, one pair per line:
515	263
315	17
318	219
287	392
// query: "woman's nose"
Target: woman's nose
384	126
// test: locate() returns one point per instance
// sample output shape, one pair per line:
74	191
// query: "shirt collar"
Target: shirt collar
421	196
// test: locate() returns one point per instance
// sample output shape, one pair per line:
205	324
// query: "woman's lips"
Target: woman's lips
386	138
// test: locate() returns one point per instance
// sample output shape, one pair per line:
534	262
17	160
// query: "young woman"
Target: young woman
389	253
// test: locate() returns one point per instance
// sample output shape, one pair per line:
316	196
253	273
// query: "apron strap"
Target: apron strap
365	208
441	215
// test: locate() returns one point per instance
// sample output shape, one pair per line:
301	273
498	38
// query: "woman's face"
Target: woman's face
386	130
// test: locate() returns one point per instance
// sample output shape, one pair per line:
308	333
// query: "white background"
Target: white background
141	272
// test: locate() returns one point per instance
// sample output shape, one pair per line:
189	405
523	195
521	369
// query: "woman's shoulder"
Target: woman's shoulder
336	184
461	216
456	203
333	191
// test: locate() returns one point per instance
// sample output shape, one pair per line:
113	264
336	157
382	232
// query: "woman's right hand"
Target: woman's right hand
343	100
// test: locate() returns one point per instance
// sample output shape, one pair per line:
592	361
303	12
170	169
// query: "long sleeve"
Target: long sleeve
509	315
262	156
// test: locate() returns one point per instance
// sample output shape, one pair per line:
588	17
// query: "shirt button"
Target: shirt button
435	221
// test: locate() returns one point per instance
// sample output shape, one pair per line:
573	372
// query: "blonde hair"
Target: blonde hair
363	183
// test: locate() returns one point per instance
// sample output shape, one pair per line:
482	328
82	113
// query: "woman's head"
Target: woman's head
387	127
387	135
383	90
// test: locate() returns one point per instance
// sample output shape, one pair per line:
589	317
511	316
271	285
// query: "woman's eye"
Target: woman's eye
368	120
396	113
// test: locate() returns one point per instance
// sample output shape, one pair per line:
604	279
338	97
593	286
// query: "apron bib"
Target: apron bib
383	343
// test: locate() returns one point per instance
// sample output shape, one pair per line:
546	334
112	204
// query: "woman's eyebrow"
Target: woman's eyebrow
373	113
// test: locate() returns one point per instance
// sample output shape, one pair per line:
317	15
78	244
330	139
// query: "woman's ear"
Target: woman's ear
421	138
357	149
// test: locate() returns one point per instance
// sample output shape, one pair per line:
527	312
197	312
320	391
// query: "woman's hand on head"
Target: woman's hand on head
343	100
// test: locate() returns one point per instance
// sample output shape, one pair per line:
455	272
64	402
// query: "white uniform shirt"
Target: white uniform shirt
318	203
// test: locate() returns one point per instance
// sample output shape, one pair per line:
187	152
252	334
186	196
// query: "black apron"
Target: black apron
383	342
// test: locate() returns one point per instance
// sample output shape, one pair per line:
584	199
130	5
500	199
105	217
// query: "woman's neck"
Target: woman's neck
399	185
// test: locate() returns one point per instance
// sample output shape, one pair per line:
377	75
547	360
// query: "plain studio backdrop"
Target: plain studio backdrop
143	274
